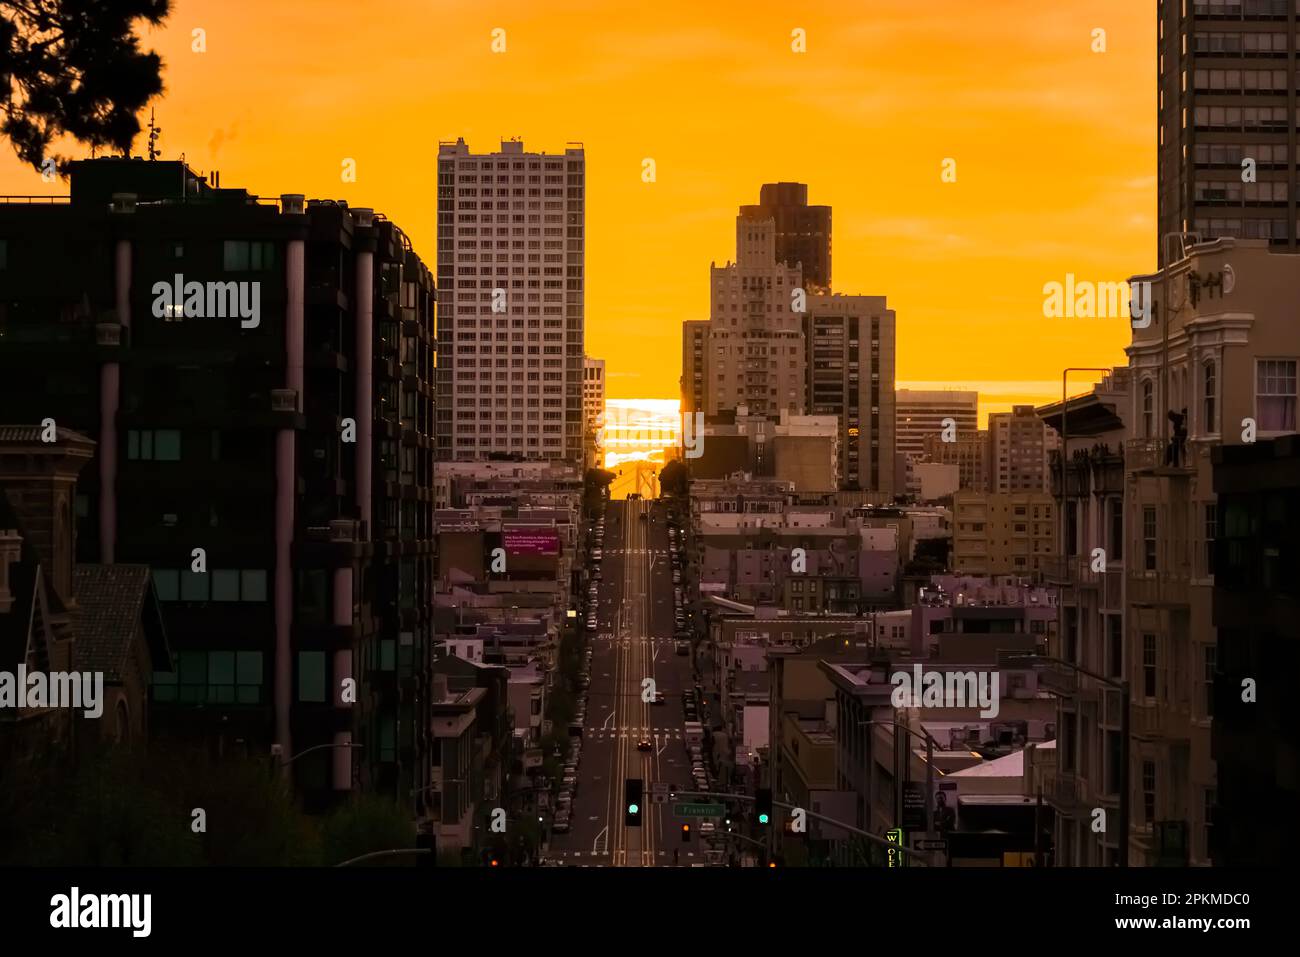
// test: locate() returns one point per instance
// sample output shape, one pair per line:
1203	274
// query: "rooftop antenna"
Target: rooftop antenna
154	133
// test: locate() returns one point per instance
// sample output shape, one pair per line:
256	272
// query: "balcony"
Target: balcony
1147	457
1064	791
1161	590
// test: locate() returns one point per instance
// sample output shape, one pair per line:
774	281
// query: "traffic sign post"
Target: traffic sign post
699	810
659	791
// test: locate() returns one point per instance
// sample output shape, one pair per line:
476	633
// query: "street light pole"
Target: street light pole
929	768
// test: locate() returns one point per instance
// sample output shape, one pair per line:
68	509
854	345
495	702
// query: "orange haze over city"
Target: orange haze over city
1053	143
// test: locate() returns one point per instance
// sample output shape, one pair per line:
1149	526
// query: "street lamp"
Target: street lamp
898	777
277	750
1124	744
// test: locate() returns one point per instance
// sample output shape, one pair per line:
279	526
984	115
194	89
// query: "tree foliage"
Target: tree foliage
75	68
674	479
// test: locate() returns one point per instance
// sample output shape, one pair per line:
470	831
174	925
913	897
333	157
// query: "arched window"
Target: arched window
1209	397
1148	410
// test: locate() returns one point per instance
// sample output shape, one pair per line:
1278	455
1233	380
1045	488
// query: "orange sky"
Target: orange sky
1055	147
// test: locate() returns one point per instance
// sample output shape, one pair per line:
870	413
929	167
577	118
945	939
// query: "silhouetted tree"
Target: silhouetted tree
674	478
367	823
75	68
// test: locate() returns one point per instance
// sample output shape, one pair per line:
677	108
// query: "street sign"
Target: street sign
895	836
926	844
659	792
699	810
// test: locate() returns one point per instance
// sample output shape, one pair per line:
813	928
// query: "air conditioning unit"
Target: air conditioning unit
363	217
293	204
122	203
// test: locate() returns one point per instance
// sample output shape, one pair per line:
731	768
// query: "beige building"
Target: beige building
695	366
1230	359
969	453
756	347
510	303
806	451
1012	533
1019	447
1090	632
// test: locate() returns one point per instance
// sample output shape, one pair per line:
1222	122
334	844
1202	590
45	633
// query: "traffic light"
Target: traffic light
763	805
632	802
686	833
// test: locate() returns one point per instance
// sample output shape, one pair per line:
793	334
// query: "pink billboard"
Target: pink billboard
532	541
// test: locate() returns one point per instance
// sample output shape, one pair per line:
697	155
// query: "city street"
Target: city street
634	642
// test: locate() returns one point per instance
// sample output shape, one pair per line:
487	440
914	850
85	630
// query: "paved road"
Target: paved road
634	642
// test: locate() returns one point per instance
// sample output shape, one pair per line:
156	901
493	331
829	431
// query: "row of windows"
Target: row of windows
235	677
1241	81
1240	44
218	584
1274	229
1235	192
1232	154
1248	118
1237	9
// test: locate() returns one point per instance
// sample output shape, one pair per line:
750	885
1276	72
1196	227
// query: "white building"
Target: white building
511	228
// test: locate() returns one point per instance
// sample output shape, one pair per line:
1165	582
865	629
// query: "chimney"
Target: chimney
11	549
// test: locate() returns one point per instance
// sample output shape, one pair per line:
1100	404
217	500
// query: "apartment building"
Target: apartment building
1009	533
1226	95
851	342
695	366
1090	633
593	409
1220	354
291	443
969	452
1019	448
511	268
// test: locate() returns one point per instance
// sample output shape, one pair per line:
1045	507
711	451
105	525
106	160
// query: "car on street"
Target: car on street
659	697
707	827
682	647
645	744
561	825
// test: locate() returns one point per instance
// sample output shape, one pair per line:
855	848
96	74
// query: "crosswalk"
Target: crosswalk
599	854
666	734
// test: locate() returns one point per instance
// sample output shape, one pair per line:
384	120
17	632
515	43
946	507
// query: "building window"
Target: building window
211	677
1211	799
1210	658
1149	538
1275	394
240	255
311	676
1116	506
1148	410
1209	397
1211	532
1149	665
158	445
1114	646
1149	792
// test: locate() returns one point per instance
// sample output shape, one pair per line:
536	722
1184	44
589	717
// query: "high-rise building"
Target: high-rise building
851	375
253	376
756	346
918	413
803	232
1019	447
511	241
1225	96
695	366
593	404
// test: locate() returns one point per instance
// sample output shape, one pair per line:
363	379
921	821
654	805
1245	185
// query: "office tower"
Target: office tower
1019	446
919	413
968	452
756	346
290	444
851	375
510	317
593	405
695	366
1226	94
803	232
